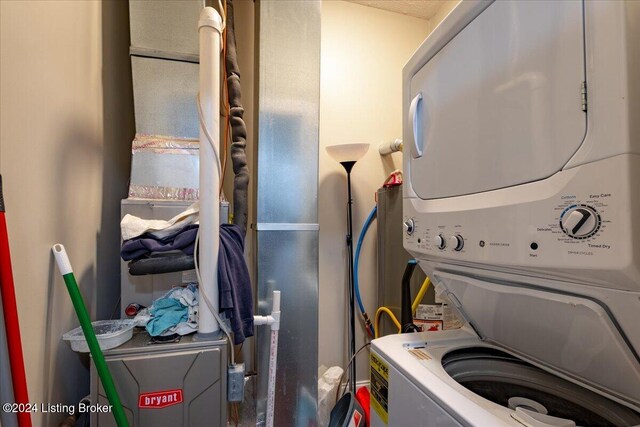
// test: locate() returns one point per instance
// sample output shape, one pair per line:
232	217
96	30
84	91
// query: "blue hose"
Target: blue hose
363	232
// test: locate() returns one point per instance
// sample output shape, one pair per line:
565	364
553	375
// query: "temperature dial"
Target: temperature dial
409	226
457	242
580	221
439	241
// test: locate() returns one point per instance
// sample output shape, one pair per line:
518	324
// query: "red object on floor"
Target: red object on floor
363	396
11	320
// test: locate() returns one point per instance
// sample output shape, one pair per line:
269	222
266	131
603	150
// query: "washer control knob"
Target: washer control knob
580	222
440	242
409	226
457	242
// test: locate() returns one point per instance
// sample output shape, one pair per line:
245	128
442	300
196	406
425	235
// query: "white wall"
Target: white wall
66	125
363	52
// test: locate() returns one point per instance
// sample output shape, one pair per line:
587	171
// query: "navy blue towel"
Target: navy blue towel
234	283
146	244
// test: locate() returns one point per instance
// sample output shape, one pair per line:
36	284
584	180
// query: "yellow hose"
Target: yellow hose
414	307
376	323
421	292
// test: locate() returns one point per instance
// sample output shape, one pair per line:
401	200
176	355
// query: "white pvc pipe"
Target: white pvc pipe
273	359
210	29
271	393
389	147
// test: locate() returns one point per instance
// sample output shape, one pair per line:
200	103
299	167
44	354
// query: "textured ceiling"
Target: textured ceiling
425	9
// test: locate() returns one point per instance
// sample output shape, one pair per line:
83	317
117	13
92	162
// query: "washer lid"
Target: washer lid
575	335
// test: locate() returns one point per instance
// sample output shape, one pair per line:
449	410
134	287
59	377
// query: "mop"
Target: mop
11	323
7	419
64	265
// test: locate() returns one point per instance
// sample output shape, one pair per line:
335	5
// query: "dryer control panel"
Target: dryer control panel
576	223
580	221
571	221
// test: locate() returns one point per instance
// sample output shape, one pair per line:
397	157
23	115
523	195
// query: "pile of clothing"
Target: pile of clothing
176	312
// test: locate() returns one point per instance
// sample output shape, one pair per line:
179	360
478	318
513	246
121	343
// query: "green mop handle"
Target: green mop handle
85	322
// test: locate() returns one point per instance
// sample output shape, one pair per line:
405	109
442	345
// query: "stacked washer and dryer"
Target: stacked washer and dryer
522	161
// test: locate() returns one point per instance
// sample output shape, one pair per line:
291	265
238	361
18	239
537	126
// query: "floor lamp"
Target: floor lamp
347	155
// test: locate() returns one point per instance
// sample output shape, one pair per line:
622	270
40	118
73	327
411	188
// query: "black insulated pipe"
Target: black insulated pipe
238	128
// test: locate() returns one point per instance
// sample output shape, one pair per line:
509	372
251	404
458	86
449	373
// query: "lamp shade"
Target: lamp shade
347	152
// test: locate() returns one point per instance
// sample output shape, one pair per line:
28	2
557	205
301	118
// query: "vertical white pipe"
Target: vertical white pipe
210	29
273	359
271	392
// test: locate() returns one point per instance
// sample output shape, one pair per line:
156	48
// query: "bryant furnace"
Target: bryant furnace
173	384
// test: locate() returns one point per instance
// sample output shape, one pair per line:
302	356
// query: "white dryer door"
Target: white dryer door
500	103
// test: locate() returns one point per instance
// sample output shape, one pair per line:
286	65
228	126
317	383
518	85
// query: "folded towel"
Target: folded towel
131	226
147	244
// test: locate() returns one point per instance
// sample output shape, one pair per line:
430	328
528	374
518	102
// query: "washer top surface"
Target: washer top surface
485	386
576	335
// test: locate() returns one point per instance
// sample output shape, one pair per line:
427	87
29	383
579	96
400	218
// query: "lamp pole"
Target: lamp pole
347	155
352	321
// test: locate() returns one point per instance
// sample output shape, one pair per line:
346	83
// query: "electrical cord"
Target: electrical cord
235	416
225	101
213	311
239	349
195	258
115	309
209	137
223	14
347	368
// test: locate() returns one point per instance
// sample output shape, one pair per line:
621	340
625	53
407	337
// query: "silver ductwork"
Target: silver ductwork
287	193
